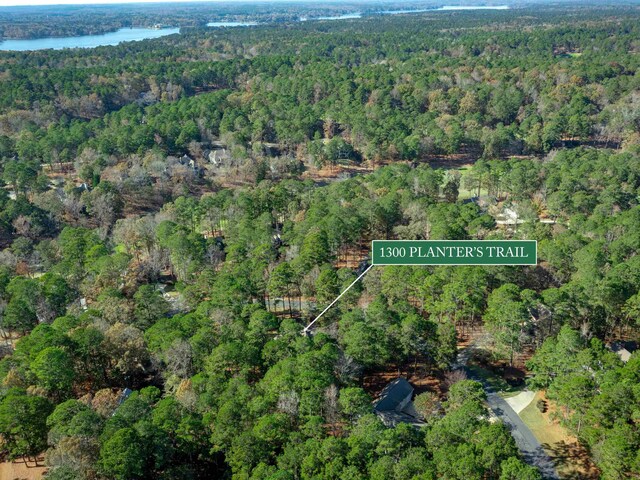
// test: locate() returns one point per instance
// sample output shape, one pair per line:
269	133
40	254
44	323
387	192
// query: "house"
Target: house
124	394
394	404
624	349
187	160
217	156
508	216
394	397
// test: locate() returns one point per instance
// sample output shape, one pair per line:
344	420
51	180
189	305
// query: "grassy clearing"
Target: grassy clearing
571	459
546	430
463	192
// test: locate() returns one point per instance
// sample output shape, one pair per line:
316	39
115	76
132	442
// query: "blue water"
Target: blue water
87	41
341	17
446	7
231	24
474	7
417	10
398	12
135	34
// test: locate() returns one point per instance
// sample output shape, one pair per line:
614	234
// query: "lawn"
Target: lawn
571	459
464	193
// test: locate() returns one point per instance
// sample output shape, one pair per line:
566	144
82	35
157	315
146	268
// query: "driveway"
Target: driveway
521	401
531	449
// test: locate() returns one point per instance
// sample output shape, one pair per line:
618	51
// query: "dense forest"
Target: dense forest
175	211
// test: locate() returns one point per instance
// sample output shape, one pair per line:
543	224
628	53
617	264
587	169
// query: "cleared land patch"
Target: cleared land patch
571	459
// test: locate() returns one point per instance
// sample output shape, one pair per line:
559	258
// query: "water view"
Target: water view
418	10
231	24
474	7
87	41
342	17
135	34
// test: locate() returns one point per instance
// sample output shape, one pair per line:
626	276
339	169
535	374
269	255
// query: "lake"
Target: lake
87	41
135	34
417	10
340	17
231	24
472	7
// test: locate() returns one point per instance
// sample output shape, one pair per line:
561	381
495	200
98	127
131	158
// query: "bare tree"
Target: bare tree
331	404
179	358
347	370
288	403
124	232
73	207
105	207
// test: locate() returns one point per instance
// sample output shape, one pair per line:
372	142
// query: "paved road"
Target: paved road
532	451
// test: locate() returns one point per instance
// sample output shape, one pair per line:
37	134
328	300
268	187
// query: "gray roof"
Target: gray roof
124	395
393	395
391	419
624	349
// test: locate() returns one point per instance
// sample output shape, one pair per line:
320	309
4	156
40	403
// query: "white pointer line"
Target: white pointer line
338	298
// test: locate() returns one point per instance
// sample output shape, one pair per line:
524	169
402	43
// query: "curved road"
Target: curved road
532	451
530	447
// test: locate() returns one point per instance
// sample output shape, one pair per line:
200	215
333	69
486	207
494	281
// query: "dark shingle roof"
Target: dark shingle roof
624	349
393	394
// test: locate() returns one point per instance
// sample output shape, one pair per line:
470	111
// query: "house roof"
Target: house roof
393	395
391	419
624	349
124	395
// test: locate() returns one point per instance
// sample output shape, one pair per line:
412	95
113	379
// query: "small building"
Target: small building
395	396
508	216
394	404
624	349
122	397
217	156
187	160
